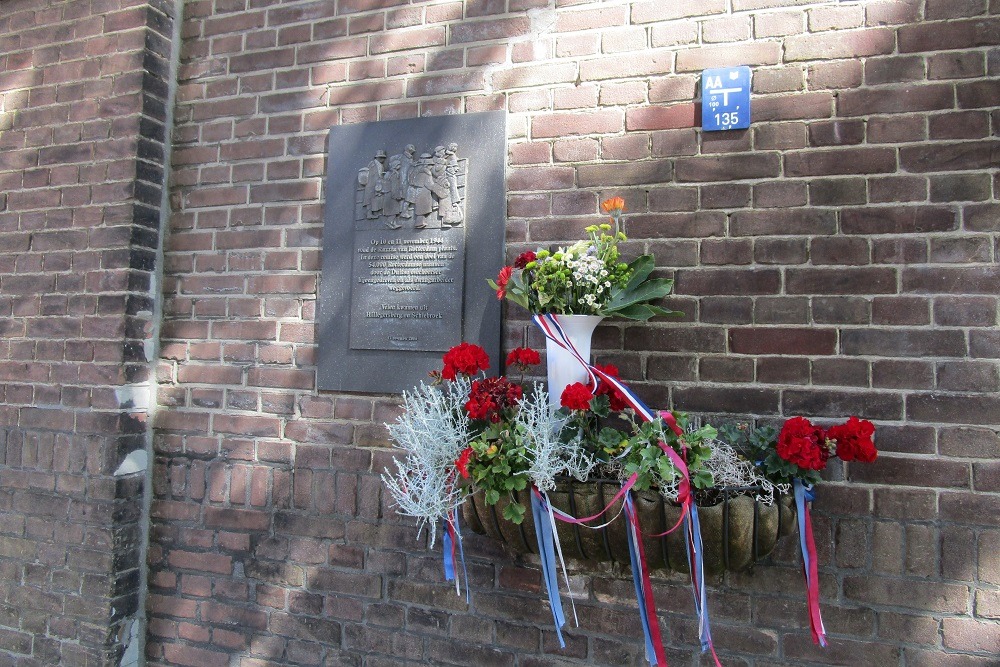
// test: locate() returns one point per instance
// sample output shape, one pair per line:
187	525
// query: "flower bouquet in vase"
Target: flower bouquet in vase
573	288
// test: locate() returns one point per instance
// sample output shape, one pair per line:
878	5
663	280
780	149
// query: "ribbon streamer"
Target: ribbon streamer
452	539
550	326
544	535
643	588
810	561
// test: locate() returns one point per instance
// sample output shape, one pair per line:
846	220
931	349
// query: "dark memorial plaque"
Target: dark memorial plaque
413	227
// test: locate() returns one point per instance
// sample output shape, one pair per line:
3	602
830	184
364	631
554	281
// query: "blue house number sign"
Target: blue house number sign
725	98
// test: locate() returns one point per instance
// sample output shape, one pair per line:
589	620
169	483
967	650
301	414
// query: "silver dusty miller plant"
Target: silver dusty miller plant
432	431
549	455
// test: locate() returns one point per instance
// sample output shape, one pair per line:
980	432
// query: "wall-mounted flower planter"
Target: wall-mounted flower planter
736	532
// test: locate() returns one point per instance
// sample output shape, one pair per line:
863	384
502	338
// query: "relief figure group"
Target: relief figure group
421	192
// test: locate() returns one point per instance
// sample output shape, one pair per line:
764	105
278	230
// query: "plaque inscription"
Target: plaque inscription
408	291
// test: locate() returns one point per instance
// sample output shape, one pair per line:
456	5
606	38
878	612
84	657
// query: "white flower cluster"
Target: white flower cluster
589	274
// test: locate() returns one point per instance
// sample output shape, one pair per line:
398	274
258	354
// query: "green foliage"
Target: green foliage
500	466
632	300
654	467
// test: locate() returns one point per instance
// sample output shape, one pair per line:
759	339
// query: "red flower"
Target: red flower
576	397
523	356
462	462
524	259
854	440
502	279
488	397
465	358
618	402
801	442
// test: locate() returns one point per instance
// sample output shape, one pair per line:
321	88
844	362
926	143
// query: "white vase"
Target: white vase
562	368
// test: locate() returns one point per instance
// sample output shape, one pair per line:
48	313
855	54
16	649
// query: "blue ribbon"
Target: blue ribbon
802	494
546	550
446	546
640	596
449	554
700	600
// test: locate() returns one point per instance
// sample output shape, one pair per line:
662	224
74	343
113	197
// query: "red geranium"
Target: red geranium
524	259
465	358
502	279
523	356
618	402
854	440
462	462
801	442
489	396
576	397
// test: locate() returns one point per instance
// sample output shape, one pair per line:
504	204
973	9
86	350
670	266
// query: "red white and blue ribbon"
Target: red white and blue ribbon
549	324
452	541
643	587
810	562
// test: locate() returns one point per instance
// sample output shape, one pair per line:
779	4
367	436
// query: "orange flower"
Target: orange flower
613	206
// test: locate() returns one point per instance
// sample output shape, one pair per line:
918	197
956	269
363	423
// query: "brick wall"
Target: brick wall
82	119
839	257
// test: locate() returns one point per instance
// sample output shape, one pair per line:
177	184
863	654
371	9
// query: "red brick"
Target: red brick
562	124
648	62
662	118
782	341
180	654
727	167
201	562
846	44
575	150
836	18
936	36
589	19
651	10
754	54
673	34
846	161
897	220
942	408
568	46
401	40
644	172
727	281
786	79
488	30
534	75
783	222
541	178
841	281
905	99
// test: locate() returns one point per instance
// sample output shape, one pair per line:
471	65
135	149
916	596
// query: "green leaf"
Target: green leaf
655	288
639	268
514	513
601	405
703	479
492	497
